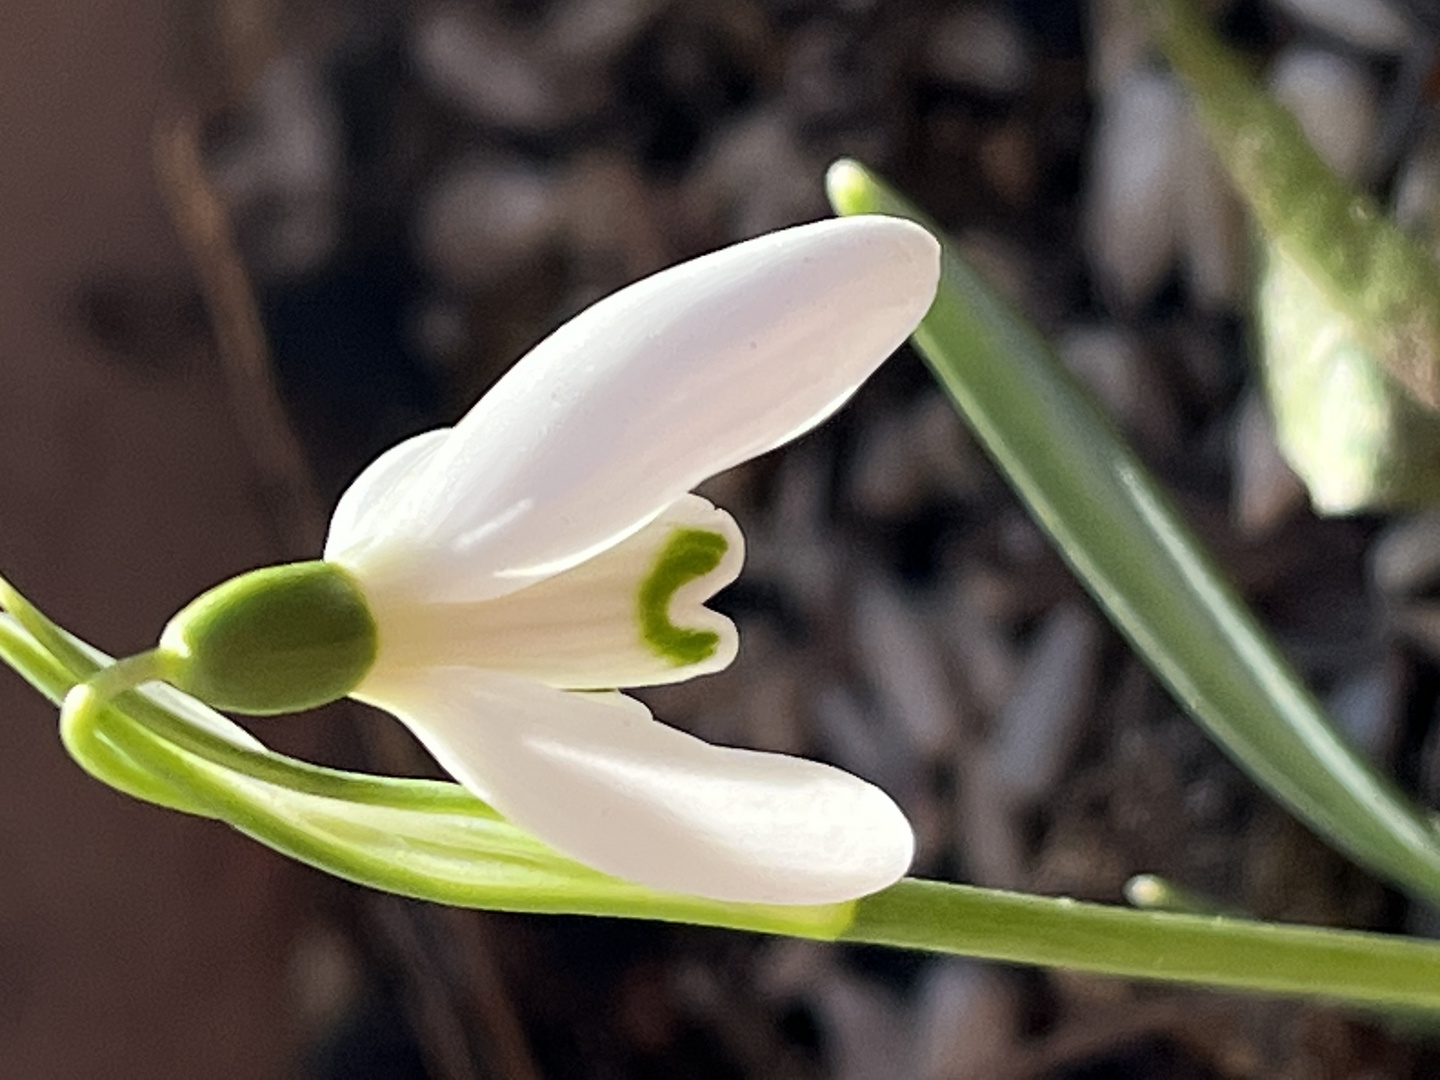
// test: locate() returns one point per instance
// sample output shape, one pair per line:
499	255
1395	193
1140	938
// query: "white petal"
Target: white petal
369	507
597	778
586	628
638	399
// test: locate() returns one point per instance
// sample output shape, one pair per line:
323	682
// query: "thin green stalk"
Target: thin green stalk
939	917
102	759
329	834
80	718
418	838
1202	950
259	764
504	870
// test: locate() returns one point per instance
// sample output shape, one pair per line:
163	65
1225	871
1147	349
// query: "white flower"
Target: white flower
522	565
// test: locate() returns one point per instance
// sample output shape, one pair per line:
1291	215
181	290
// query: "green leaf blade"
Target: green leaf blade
1139	560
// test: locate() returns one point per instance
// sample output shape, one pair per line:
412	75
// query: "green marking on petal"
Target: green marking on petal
687	555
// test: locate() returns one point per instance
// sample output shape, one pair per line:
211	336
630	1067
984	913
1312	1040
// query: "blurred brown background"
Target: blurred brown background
413	193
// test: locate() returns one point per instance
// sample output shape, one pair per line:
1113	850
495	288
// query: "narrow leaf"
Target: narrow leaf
1137	557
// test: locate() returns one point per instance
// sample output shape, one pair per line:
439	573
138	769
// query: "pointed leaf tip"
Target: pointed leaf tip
848	186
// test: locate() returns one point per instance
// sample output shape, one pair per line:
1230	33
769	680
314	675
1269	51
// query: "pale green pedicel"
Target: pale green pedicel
422	838
688	554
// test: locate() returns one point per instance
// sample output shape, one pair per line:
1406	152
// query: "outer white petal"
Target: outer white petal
370	507
599	779
639	398
581	629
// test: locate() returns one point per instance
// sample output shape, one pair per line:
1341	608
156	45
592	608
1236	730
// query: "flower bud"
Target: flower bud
274	640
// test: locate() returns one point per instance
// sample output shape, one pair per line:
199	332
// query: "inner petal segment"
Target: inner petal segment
634	615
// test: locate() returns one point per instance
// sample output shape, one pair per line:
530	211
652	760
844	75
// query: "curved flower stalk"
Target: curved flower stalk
492	584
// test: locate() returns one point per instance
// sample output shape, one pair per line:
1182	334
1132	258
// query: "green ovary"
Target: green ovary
278	639
687	555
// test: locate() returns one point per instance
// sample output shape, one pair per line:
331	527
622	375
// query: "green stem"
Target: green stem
98	753
931	916
102	759
267	815
94	751
939	917
263	765
1204	950
84	704
323	817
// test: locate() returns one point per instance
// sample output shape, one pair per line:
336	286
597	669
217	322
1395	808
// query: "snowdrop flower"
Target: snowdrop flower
492	584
